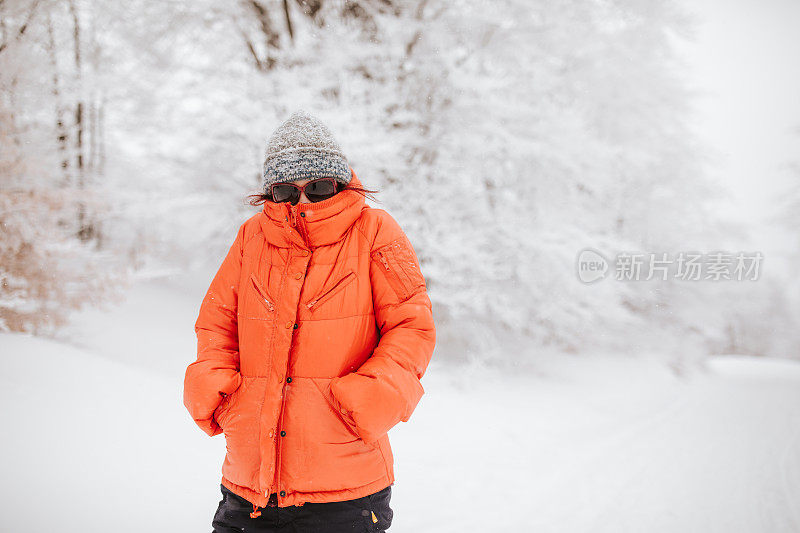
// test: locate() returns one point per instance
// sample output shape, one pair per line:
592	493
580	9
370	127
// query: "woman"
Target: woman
312	340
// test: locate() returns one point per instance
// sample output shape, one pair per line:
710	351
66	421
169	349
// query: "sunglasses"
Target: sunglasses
315	190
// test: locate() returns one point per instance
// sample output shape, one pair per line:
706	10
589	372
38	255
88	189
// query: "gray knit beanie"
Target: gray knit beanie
303	148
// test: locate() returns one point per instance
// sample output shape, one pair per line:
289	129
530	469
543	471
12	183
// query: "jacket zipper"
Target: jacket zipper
293	210
383	259
278	446
333	290
262	292
398	283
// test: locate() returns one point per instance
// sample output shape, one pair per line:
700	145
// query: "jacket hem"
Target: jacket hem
299	498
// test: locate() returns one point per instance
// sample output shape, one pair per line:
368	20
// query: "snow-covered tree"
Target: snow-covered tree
505	136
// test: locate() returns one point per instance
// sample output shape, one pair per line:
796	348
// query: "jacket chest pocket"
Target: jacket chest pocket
398	262
331	291
258	303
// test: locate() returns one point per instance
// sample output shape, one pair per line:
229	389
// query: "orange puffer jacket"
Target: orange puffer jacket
312	340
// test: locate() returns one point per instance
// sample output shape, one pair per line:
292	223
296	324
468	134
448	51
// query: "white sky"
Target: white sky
746	59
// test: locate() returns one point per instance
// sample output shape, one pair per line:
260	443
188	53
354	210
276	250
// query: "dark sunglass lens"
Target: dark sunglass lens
285	193
320	190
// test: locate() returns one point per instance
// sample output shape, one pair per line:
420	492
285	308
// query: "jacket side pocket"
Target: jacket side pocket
224	406
380	518
343	416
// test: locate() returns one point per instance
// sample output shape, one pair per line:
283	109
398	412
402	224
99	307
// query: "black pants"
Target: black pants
350	516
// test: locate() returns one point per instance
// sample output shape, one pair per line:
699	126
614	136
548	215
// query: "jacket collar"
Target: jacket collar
323	223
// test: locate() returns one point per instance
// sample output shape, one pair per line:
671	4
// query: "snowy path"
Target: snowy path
96	439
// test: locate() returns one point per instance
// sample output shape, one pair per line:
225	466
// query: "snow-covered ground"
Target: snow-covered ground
97	439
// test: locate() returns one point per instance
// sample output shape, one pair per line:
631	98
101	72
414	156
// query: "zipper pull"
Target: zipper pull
383	259
374	518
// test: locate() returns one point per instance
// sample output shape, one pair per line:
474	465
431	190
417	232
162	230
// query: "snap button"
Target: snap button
295	326
289	379
283	433
303	215
283	493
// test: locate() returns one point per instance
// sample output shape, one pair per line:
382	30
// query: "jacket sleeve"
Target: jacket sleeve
216	371
386	388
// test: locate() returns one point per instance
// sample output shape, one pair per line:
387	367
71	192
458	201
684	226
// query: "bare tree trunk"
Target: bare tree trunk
91	162
288	19
62	135
3	27
94	124
101	139
272	39
85	228
249	44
